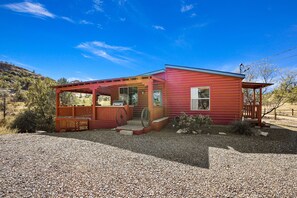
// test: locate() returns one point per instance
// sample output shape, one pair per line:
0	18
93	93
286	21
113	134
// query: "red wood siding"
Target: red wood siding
160	75
225	94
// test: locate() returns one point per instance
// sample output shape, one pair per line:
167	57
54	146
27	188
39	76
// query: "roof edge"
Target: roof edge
152	72
210	71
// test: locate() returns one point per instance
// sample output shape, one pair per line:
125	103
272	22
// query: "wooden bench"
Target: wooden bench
72	124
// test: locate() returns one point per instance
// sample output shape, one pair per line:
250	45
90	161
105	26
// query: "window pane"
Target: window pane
203	93
203	104
157	98
124	97
133	96
123	90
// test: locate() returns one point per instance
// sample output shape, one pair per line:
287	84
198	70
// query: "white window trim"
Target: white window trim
203	87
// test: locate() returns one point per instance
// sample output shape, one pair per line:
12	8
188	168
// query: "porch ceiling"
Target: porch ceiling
255	85
101	85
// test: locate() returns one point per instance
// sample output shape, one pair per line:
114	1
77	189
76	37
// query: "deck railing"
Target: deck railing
75	111
251	111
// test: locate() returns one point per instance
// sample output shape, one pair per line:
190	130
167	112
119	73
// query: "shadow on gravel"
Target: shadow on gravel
190	149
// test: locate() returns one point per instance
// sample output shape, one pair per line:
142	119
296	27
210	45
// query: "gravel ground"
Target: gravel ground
105	163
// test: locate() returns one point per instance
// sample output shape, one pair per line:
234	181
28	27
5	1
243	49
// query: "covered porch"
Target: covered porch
252	101
143	99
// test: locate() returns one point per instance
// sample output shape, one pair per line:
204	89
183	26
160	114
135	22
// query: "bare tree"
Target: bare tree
283	81
285	92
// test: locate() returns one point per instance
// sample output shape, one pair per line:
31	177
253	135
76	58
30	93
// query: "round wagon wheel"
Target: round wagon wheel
121	117
145	117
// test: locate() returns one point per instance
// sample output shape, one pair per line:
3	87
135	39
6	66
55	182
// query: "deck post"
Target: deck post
94	98
150	98
260	109
164	100
254	103
57	102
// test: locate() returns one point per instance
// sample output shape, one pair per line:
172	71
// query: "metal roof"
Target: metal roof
255	85
237	75
153	72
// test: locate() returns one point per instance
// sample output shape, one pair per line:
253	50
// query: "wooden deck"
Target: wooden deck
77	118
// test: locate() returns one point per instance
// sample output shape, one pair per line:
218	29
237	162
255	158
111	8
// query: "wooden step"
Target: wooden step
137	130
134	122
126	132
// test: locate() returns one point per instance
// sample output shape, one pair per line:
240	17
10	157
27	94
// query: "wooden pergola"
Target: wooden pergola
254	111
96	116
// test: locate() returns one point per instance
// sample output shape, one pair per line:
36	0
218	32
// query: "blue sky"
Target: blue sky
95	39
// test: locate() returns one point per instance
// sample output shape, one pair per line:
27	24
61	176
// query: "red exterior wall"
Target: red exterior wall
225	94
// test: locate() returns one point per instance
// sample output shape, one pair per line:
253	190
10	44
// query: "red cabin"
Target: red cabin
152	98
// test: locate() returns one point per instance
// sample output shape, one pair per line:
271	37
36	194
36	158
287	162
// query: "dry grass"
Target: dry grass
285	110
7	130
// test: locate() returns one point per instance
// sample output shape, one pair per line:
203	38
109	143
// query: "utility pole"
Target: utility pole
240	68
243	68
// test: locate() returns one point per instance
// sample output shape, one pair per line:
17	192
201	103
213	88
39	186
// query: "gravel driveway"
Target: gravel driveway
105	163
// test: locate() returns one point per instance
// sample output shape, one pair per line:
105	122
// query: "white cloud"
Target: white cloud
122	2
112	47
97	6
35	9
67	19
85	22
158	27
86	56
123	19
186	8
193	14
115	54
83	78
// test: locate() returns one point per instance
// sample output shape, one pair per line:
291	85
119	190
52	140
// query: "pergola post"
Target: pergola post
150	98
164	99
57	102
254	103
260	109
94	99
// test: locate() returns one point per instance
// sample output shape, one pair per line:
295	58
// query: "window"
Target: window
129	94
200	98
157	98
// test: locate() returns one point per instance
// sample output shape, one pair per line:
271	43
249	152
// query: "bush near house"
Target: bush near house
241	127
191	123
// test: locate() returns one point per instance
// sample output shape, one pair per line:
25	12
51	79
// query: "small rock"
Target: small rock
126	132
181	131
262	133
222	133
275	127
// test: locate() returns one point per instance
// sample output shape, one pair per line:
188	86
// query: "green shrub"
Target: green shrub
25	122
241	127
191	123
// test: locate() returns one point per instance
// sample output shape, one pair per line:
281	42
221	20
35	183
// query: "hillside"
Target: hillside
14	83
13	77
